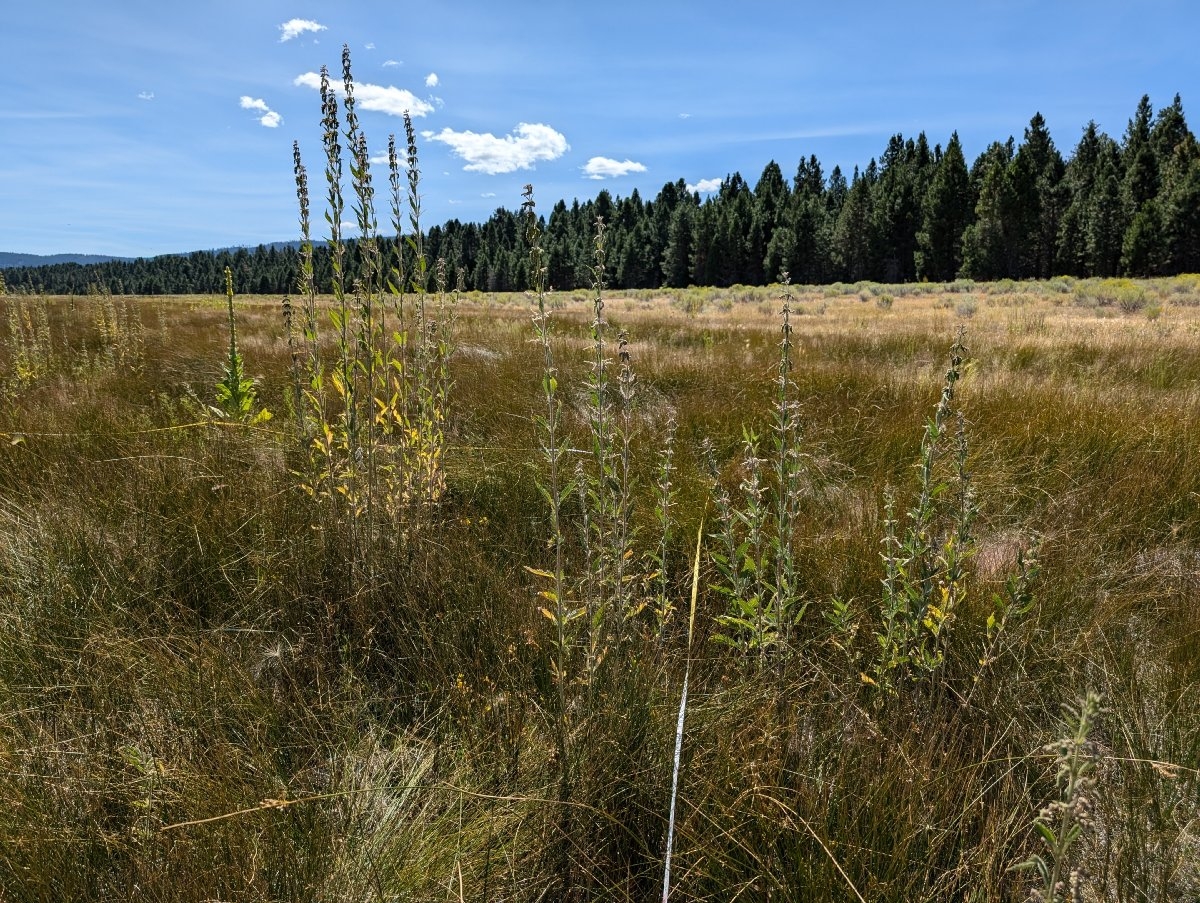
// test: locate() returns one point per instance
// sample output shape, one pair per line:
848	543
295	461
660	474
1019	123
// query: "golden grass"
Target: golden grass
178	645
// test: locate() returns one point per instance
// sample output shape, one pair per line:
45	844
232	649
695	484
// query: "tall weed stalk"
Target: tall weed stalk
1062	822
757	561
563	614
375	419
925	574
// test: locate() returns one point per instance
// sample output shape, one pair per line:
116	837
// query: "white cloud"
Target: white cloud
488	194
607	168
269	117
379	159
146	95
293	28
390	100
529	143
685	115
370	45
389	63
431	80
393	101
705	186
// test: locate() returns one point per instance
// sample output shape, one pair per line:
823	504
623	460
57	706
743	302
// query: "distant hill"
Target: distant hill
9	259
268	245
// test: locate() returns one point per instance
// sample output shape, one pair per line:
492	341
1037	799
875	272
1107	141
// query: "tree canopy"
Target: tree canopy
1020	211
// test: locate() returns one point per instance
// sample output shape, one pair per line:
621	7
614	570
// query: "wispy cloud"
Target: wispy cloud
381	99
43	114
146	95
705	186
370	45
526	145
269	118
431	80
685	115
293	28
488	194
607	168
389	63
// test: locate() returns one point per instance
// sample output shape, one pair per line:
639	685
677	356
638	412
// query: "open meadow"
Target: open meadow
422	633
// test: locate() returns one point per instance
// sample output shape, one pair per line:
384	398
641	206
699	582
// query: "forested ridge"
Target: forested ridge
1020	211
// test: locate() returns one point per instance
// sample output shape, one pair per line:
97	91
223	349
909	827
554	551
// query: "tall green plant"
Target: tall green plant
925	573
235	393
757	560
659	565
375	419
565	615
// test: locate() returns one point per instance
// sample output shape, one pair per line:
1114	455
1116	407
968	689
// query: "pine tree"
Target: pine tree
836	193
855	240
704	248
1140	163
1093	222
989	245
771	198
1182	220
1036	177
904	179
677	256
1170	133
945	215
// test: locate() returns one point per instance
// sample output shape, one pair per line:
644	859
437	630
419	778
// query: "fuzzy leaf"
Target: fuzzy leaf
1047	834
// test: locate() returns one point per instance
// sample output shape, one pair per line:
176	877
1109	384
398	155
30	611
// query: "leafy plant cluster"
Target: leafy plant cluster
373	420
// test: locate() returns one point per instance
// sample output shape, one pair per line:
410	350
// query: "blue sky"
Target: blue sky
140	128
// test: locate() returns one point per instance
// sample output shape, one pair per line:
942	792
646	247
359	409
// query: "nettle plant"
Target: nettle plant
927	557
925	565
373	419
756	557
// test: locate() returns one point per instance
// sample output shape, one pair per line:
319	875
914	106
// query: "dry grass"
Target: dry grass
197	706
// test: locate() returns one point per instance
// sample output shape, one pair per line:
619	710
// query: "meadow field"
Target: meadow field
928	557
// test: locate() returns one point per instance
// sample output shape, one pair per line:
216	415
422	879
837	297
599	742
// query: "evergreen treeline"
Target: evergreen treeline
1020	211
